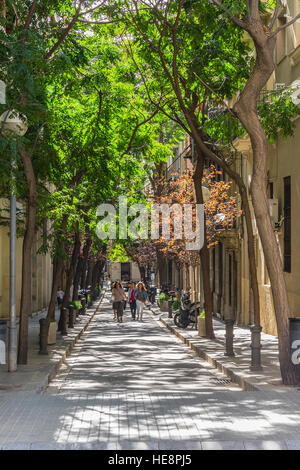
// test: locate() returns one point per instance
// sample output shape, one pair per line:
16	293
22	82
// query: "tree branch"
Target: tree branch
139	124
275	15
30	15
215	93
98	22
285	26
234	18
98	114
91	10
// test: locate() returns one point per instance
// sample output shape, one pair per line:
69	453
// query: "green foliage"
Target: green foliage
163	297
223	127
117	253
202	314
277	111
176	304
76	304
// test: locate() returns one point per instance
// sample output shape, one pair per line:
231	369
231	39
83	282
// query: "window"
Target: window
281	40
287	224
270	190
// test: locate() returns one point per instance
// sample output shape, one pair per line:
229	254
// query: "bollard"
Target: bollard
43	336
255	347
83	308
229	322
170	309
64	315
71	317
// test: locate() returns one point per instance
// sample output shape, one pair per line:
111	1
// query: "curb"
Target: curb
55	368
230	372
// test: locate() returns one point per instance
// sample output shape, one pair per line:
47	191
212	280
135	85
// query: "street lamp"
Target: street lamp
12	125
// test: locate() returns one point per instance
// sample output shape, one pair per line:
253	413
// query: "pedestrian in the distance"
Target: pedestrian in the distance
141	296
60	295
132	300
119	296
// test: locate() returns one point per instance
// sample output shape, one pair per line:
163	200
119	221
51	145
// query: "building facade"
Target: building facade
41	272
229	276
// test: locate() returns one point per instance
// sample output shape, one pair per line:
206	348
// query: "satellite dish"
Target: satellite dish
13	123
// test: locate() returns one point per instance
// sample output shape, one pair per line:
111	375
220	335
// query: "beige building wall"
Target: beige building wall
114	269
41	274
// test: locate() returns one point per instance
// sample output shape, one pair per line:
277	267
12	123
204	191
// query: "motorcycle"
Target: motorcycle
188	312
152	294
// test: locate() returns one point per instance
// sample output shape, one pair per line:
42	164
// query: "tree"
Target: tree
26	49
171	71
191	39
247	16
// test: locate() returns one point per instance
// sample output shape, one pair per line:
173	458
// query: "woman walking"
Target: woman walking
141	296
113	285
119	295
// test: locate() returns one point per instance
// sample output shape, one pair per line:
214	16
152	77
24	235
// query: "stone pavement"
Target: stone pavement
137	386
237	367
40	369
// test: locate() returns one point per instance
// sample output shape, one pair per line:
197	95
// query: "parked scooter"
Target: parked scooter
152	294
188	312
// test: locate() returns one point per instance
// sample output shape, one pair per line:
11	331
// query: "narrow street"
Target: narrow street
134	357
136	386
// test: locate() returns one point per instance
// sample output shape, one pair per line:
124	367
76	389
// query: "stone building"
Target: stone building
229	275
41	271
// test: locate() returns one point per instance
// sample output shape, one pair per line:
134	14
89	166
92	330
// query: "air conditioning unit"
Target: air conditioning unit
274	212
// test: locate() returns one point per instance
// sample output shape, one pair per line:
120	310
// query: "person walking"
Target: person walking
132	300
119	295
60	296
141	296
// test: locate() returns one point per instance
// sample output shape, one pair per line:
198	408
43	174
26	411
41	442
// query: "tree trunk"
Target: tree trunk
91	264
246	110
2	9
71	270
77	277
161	265
95	276
25	308
56	279
204	253
86	250
142	272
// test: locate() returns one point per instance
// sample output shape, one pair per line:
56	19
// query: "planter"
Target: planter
163	306
52	333
201	327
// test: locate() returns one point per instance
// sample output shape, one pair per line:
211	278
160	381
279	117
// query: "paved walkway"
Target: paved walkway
237	367
136	386
35	375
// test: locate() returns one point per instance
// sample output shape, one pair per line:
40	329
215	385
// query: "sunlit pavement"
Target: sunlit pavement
135	386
